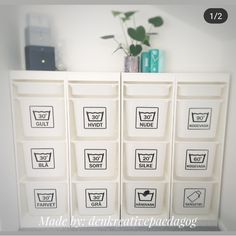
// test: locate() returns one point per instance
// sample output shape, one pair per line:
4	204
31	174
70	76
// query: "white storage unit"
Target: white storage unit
41	146
147	108
198	149
106	145
94	121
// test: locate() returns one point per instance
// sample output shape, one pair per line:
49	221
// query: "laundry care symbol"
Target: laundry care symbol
146	117
41	116
95	159
199	118
194	197
45	198
196	159
96	198
146	159
42	158
145	198
95	117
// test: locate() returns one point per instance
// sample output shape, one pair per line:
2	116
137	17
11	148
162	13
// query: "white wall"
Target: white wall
79	29
188	49
228	204
9	58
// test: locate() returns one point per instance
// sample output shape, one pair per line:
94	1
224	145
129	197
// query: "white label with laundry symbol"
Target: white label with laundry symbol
194	197
96	198
196	159
95	117
45	198
95	159
147	117
42	158
146	159
199	118
145	198
41	116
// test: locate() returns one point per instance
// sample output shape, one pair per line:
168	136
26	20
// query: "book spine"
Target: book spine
145	62
154	59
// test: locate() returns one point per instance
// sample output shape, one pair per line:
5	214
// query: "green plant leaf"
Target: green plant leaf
156	21
124	18
135	49
128	14
137	34
146	42
108	36
116	13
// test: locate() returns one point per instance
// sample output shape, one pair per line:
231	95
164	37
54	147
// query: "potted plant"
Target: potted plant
136	37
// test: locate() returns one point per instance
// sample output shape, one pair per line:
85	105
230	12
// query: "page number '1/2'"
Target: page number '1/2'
215	15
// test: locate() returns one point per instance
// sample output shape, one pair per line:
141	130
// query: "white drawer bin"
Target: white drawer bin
146	118
96	159
43	117
45	159
195	159
45	199
96	117
97	198
145	159
197	118
192	198
145	198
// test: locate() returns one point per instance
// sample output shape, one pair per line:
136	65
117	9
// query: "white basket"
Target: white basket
197	118
146	118
192	198
97	198
45	159
45	199
145	159
97	117
42	117
144	198
97	159
195	159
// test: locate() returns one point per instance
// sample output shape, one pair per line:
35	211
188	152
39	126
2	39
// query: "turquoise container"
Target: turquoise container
145	67
154	60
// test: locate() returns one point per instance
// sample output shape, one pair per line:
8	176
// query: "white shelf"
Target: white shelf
122	137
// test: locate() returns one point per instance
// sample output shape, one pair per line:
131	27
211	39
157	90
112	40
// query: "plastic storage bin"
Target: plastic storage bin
145	159
146	118
97	198
195	159
44	159
197	118
45	199
96	117
42	117
145	198
97	159
192	198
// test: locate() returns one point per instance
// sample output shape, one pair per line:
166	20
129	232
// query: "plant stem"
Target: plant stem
123	30
120	45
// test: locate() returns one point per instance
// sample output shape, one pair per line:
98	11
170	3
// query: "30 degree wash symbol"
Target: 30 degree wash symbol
147	116
95	116
41	115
